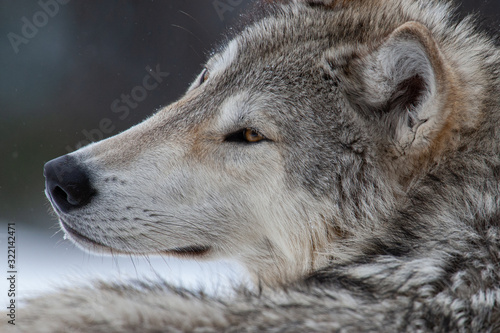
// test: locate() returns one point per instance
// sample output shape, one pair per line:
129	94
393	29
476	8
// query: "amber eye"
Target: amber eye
246	135
252	135
204	76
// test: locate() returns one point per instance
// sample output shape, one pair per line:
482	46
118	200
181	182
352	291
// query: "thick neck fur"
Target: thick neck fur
463	156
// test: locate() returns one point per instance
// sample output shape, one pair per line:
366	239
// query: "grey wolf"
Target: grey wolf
346	152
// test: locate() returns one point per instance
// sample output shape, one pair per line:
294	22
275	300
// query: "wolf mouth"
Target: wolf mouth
193	250
79	238
189	250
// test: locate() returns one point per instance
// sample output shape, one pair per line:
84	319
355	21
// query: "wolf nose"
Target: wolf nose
67	184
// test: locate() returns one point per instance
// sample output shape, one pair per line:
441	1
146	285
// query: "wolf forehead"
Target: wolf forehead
280	29
273	53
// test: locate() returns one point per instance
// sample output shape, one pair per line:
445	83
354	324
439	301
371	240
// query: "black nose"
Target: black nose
67	183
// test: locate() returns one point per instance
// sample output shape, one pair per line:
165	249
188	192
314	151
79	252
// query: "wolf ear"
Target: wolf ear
404	83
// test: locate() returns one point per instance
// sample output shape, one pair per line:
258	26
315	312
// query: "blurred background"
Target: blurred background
63	65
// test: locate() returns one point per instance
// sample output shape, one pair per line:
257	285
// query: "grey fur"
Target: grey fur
400	162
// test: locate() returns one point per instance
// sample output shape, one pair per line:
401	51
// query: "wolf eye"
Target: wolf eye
246	135
204	76
252	135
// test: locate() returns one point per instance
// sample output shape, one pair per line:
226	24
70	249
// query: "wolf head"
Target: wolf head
305	131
